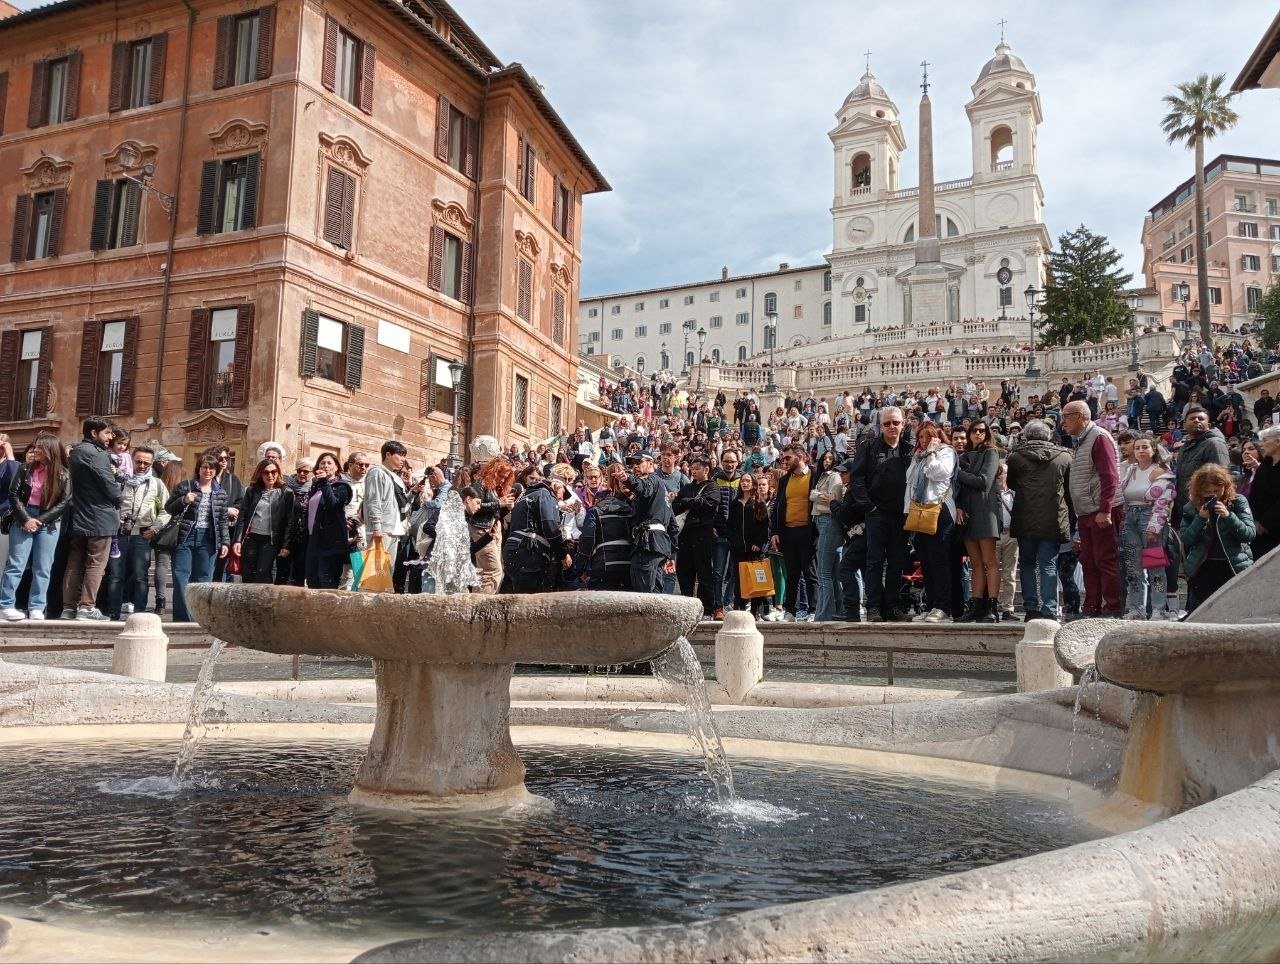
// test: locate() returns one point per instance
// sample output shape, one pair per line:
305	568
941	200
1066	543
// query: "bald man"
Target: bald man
1094	483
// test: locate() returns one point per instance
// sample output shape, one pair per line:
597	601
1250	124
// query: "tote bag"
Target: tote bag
755	579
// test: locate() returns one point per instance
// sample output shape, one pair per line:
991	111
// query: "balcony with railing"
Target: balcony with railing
1004	166
1245	207
220	390
27	406
109	398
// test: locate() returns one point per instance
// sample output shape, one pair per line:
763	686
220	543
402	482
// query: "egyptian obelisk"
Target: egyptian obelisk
927	279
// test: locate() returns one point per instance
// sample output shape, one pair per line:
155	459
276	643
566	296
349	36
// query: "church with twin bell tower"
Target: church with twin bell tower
940	252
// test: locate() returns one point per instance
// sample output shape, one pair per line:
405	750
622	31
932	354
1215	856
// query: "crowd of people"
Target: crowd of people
934	503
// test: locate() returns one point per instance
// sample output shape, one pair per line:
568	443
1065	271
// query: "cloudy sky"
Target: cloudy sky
710	117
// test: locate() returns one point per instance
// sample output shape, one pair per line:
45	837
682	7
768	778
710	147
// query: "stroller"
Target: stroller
911	593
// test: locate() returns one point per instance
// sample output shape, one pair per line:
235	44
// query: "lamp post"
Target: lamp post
1032	295
870	298
771	326
684	355
1184	295
1134	302
456	370
702	340
127	158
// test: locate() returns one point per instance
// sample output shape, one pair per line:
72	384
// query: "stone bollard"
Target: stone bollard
1038	667
142	650
739	654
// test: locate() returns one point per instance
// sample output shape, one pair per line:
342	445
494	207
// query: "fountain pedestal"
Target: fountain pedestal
442	666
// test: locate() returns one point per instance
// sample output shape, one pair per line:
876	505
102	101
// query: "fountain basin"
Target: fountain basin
442	668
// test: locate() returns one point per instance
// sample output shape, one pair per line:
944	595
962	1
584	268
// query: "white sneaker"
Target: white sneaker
812	617
788	617
126	609
13	615
35	614
937	616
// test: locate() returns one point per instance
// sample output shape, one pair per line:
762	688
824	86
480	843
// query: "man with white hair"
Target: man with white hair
1094	483
878	484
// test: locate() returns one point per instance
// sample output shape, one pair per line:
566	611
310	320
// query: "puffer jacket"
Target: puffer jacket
177	506
1235	530
1038	474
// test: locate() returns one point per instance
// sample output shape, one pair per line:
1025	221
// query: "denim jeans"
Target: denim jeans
127	575
886	549
193	560
1133	538
830	539
37	547
1038	571
725	589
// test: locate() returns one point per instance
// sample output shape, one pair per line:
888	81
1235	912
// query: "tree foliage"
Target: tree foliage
1081	293
1269	312
1198	112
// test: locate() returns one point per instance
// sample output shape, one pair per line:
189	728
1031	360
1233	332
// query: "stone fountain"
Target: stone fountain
442	666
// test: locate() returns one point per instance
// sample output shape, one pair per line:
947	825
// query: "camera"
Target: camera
1210	502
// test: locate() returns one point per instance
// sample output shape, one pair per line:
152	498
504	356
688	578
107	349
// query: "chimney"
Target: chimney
784	266
724	273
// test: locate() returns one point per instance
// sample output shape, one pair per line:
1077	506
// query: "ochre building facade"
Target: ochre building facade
234	222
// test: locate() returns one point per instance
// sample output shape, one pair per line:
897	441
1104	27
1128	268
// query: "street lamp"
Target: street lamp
870	298
456	371
128	157
1032	295
771	326
702	340
1134	302
1184	295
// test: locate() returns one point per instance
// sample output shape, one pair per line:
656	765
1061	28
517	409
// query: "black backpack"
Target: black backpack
611	552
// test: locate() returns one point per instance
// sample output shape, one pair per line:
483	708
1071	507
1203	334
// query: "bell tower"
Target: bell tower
1004	116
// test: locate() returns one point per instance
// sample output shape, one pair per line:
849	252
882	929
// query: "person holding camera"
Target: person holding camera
1217	529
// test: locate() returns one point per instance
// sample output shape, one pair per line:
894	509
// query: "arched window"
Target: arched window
664	361
617	362
771	303
952	229
742	353
826	281
1001	149
715	355
640	363
861	170
911	233
826	314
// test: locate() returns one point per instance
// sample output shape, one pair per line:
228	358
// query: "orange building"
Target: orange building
233	223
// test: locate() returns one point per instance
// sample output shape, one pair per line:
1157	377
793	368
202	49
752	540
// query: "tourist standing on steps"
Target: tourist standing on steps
142	514
1037	474
1217	529
1094	489
979	516
930	481
879	485
386	499
204	533
1201	445
653	530
828	488
1264	493
94	519
8	469
791	531
261	531
699	501
1148	489
39	495
328	544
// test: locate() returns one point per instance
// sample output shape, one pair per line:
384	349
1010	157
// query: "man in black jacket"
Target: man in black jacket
95	517
534	553
701	500
878	483
653	530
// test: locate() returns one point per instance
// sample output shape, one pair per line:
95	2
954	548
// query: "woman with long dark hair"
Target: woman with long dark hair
930	482
171	475
979	512
827	489
328	545
204	531
38	497
263	524
748	535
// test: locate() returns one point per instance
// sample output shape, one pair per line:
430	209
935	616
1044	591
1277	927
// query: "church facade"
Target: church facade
991	242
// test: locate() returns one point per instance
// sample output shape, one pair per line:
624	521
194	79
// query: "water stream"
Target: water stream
679	668
1088	677
200	696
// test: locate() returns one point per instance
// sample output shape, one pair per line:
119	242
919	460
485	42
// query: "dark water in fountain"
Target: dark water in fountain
263	836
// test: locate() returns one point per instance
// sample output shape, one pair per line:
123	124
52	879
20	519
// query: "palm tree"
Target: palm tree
1198	111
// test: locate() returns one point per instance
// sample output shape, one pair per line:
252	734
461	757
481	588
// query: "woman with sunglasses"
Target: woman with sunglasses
979	511
260	531
201	506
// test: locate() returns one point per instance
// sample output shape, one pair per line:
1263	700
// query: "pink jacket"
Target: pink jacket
1160	496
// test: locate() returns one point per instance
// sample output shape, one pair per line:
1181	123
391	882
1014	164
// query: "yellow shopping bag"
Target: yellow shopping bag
376	575
755	579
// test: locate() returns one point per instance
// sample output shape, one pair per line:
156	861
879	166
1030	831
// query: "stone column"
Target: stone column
1037	663
142	650
927	249
739	654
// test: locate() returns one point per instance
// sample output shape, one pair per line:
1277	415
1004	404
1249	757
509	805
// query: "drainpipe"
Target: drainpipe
471	308
173	218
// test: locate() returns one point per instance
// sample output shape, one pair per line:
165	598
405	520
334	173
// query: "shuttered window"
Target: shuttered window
339	207
55	91
558	317
556	422
524	291
219	357
245	47
450	268
562	214
38	221
347	66
229	195
116	206
108	367
457	137
24	374
520	401
4	97
435	387
526	171
137	73
331	349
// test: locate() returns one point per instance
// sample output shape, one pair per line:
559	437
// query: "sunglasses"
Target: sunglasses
270	471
